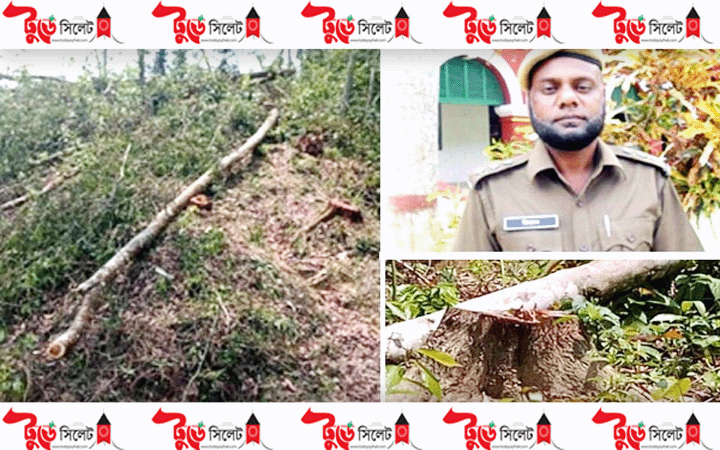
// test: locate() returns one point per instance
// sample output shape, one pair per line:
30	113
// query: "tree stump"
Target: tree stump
505	355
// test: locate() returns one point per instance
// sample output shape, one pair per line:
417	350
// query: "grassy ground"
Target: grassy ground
237	303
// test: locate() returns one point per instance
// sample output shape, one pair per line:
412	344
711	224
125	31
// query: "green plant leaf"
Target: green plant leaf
687	306
668	318
397	312
433	385
441	357
393	375
675	391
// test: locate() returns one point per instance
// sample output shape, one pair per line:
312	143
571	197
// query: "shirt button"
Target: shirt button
579	203
630	237
531	248
583	248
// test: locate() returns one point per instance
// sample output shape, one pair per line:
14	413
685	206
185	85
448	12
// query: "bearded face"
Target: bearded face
567	103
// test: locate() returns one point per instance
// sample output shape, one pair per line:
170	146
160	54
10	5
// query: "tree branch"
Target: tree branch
91	288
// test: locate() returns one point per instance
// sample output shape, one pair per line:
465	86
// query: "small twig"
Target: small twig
49	186
212	141
334	208
124	161
202	360
416	273
228	318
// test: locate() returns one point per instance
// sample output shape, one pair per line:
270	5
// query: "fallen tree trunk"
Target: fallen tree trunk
598	279
91	288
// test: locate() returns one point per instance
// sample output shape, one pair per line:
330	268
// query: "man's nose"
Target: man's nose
567	96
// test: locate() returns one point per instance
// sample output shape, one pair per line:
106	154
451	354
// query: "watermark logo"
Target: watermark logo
36	30
374	29
491	29
662	30
211	436
35	435
349	437
667	435
517	435
77	29
225	29
77	435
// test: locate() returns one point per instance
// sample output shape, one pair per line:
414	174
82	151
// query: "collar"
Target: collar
539	160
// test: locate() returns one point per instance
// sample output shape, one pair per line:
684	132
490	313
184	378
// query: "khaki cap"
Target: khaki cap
535	57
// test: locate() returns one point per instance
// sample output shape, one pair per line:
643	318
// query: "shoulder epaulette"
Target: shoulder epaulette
496	167
643	157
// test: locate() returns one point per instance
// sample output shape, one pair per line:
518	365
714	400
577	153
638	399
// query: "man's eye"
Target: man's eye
584	88
548	89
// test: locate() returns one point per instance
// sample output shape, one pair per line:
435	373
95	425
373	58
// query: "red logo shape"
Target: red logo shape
253	434
634	434
44	28
103	433
543	27
475	436
185	30
402	28
402	434
331	433
253	27
193	434
334	29
43	434
543	433
633	27
475	29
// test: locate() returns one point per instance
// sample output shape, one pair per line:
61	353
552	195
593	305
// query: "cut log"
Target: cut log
503	356
91	289
598	279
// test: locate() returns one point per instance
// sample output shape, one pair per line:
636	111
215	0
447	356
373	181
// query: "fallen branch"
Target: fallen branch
597	279
91	288
334	208
49	186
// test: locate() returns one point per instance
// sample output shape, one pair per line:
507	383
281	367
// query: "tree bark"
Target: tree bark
598	279
91	288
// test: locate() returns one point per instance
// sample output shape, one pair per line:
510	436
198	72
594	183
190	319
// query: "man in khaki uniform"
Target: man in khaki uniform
572	192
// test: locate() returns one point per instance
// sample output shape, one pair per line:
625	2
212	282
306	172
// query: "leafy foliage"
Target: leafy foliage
666	103
661	343
395	374
414	301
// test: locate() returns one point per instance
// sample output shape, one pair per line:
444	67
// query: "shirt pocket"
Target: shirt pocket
549	240
627	236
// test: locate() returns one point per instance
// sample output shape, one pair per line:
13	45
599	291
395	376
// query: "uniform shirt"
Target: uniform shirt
524	204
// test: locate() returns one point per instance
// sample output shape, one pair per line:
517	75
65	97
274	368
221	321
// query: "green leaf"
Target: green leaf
397	312
687	306
707	341
393	375
675	391
667	318
433	385
443	358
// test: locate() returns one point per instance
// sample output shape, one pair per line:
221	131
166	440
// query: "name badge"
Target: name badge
518	223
